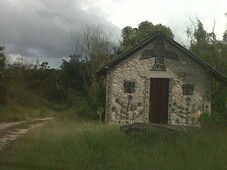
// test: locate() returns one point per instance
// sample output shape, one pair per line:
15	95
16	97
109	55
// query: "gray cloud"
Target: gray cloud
41	28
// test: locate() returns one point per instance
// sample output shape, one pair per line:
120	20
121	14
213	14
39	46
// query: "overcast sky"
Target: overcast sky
40	29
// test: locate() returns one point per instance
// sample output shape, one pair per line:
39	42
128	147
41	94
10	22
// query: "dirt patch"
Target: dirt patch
9	124
15	133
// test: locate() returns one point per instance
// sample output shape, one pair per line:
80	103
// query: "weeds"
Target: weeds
84	145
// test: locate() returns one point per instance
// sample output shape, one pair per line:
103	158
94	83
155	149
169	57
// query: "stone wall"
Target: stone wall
124	107
186	109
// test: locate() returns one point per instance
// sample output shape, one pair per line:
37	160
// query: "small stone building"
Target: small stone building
158	81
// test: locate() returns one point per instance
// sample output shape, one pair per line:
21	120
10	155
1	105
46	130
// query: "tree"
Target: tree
225	33
2	58
2	72
205	45
129	36
132	36
93	45
199	33
75	73
44	65
93	48
225	36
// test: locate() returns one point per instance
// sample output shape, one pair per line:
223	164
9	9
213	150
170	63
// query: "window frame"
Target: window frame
187	89
129	86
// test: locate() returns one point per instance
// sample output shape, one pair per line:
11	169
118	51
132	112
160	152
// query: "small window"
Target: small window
187	89
129	86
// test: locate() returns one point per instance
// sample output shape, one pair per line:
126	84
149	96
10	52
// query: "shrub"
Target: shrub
212	118
97	98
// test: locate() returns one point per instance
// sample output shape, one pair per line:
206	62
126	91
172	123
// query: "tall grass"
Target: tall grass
19	113
83	145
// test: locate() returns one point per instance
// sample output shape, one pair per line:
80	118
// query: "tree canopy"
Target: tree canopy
206	46
132	36
93	43
2	85
225	33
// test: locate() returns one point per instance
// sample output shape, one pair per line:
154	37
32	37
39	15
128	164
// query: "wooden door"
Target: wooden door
159	96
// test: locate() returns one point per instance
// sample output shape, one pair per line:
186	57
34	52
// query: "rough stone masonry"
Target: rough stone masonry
183	109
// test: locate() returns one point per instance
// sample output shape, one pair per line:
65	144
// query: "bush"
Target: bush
212	118
85	110
219	97
97	95
88	106
82	110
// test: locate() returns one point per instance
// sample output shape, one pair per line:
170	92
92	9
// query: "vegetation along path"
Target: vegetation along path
10	131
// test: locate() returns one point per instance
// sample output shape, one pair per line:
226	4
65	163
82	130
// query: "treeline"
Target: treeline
206	46
72	88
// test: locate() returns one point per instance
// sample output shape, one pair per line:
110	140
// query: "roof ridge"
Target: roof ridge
145	42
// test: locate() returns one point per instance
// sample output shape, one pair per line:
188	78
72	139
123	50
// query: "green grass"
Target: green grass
85	145
20	113
22	125
21	103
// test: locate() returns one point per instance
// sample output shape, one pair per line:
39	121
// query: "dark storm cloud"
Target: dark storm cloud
41	28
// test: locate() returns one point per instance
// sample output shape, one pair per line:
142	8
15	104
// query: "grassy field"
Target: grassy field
85	145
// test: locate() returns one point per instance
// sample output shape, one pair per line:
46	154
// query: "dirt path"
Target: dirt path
11	133
8	124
